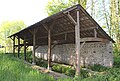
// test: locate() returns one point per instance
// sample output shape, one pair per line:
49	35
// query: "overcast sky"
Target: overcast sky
30	11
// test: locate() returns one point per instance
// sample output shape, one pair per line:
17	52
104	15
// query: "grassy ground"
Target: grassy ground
12	69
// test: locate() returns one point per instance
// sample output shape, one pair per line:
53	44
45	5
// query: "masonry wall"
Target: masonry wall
91	53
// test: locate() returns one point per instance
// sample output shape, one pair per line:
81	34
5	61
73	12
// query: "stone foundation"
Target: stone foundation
91	53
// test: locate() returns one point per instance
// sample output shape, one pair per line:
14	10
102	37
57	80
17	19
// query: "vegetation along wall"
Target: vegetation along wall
91	53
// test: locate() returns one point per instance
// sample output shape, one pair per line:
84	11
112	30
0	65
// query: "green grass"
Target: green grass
12	69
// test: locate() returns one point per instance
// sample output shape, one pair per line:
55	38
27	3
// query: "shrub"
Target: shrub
84	74
29	56
41	62
57	68
70	72
116	62
97	67
63	69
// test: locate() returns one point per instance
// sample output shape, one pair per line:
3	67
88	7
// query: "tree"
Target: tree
55	6
115	22
8	28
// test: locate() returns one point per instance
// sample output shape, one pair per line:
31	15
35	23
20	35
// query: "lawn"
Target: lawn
13	69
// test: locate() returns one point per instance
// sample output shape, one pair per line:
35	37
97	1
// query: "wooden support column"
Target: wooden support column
33	54
49	49
14	46
77	44
24	50
18	47
95	33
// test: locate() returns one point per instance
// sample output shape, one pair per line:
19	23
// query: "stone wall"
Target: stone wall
91	53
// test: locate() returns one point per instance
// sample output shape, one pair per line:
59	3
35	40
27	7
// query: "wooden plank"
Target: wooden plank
25	50
77	45
49	49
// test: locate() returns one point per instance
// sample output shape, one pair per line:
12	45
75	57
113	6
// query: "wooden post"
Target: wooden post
24	49
49	49
77	43
18	47
95	33
33	54
14	46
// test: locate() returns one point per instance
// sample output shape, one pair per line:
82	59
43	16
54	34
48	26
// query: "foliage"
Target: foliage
29	56
97	67
116	63
8	28
57	68
55	6
84	74
12	69
115	22
63	69
41	63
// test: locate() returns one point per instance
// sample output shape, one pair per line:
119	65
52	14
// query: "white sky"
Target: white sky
29	11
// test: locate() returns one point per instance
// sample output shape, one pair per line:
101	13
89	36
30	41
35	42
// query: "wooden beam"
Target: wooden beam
95	33
11	38
70	9
93	39
25	50
34	43
71	31
34	31
36	46
71	18
82	44
77	45
65	36
14	46
18	47
53	46
52	25
65	32
46	28
49	49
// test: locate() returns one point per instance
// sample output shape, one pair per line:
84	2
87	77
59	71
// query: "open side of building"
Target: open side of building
71	36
